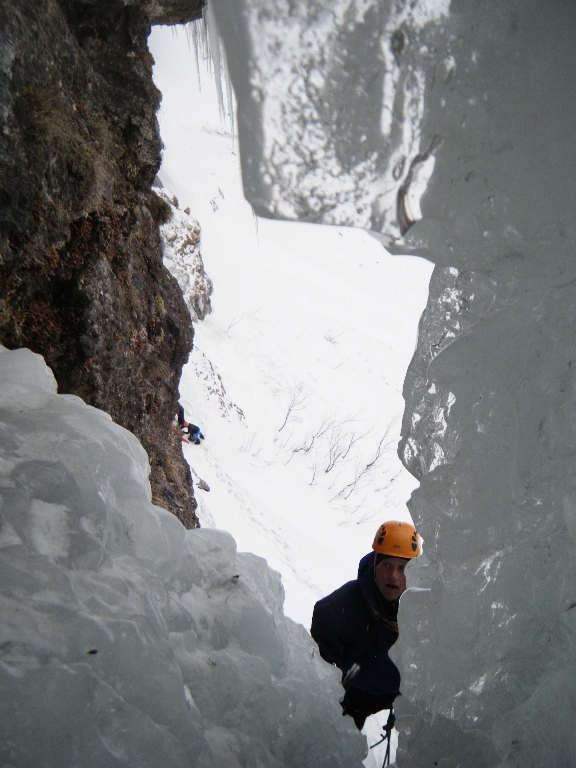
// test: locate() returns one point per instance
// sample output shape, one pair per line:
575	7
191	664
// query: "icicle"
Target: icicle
198	42
204	37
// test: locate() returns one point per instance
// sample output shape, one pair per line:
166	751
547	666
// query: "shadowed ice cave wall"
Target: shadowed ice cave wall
348	112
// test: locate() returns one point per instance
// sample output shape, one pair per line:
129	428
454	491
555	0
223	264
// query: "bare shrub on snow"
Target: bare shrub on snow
298	396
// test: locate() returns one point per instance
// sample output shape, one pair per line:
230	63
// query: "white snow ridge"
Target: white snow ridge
126	640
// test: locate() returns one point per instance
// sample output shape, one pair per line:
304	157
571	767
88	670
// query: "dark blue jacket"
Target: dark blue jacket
350	627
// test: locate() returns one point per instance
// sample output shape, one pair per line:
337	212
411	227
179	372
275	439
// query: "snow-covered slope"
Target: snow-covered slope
296	375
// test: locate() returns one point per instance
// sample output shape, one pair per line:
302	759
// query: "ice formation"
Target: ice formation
450	132
125	639
329	118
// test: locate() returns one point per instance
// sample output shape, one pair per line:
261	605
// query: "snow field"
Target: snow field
296	376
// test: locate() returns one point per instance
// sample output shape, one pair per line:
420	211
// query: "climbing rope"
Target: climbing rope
388	728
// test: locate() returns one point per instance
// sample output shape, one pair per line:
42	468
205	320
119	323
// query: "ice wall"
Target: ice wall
449	132
126	640
328	116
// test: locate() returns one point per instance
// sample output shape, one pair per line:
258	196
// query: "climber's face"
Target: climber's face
390	577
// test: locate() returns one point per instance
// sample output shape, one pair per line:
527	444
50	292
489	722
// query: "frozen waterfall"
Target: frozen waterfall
125	639
447	129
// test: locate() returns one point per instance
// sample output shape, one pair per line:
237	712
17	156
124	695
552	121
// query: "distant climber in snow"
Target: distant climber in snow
193	432
356	625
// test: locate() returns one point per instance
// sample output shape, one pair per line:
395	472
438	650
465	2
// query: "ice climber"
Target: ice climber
193	431
356	625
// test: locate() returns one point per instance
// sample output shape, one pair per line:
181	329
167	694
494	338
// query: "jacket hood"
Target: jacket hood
366	580
378	604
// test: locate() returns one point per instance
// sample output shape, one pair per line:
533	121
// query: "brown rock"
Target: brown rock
81	274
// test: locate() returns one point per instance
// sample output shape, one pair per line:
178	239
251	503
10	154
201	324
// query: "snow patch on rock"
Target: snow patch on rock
182	257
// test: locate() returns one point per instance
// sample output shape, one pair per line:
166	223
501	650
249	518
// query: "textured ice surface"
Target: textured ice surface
126	640
451	132
490	432
330	108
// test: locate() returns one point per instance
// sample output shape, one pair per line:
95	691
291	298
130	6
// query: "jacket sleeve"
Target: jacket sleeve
325	632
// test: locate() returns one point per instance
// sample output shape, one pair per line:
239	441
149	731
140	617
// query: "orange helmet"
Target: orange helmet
397	539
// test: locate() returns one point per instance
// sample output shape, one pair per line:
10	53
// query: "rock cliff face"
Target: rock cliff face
81	274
